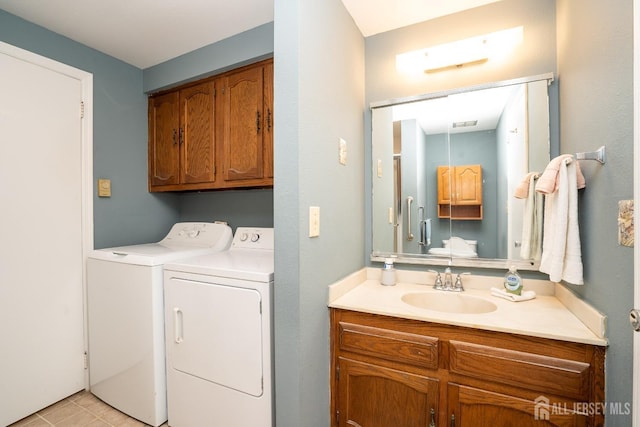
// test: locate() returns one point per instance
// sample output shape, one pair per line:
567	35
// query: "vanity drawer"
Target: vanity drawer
404	347
532	371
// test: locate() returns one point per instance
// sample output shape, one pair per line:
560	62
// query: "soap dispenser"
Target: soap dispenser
388	276
513	281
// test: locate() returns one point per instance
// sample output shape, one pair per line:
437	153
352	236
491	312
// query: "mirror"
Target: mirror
445	167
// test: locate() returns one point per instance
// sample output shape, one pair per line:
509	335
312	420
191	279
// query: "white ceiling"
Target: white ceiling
147	32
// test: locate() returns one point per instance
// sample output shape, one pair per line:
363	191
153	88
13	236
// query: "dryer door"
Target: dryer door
214	332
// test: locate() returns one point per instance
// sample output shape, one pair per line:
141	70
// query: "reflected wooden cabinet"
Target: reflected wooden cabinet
216	133
397	372
460	192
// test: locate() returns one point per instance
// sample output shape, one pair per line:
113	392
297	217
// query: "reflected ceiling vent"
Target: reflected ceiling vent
465	124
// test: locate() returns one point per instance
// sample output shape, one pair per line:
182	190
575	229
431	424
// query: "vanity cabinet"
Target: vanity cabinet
216	133
460	192
391	371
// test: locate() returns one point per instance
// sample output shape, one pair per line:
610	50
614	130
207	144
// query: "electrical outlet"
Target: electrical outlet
314	221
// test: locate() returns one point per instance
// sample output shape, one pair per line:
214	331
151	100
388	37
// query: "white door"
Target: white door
45	216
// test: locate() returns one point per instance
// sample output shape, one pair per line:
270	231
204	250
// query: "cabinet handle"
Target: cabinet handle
257	121
453	420
181	136
175	137
409	233
269	119
433	418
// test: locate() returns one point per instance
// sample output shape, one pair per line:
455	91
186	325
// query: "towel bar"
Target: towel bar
598	155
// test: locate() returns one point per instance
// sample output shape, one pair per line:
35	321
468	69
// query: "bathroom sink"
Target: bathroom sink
449	302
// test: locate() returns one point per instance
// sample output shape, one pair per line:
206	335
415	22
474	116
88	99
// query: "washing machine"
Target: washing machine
125	310
218	320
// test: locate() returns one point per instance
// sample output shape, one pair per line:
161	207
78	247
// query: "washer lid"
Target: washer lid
254	265
185	239
147	254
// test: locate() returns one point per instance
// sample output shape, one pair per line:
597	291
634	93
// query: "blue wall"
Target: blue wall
319	98
595	65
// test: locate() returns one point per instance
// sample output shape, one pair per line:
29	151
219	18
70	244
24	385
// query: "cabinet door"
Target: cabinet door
374	396
197	134
164	151
444	185
472	407
244	124
468	185
268	130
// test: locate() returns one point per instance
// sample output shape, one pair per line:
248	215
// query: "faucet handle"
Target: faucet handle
438	283
458	285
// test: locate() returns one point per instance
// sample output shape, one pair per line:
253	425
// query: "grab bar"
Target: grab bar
409	233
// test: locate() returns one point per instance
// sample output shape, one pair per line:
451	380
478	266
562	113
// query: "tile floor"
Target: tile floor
80	409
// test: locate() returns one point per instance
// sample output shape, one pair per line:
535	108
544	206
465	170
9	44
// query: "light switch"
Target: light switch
104	187
314	221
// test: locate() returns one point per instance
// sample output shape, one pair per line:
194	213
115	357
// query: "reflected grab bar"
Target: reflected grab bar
409	233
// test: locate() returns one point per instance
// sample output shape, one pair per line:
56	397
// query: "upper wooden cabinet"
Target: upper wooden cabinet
460	192
215	133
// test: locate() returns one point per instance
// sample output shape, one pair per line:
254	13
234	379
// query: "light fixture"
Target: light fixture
474	50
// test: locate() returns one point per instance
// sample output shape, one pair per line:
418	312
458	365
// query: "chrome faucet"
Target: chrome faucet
447	284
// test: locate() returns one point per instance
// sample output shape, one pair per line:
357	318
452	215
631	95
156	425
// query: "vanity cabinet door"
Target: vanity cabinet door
370	395
473	407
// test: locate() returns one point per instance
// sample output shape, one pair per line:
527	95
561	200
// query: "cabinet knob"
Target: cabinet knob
453	420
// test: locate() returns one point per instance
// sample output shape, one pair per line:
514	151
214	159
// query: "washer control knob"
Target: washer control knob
244	237
255	237
193	233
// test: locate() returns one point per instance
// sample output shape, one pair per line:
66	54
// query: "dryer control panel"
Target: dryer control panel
253	238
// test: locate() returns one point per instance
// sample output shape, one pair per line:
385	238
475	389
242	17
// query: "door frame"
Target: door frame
86	111
636	198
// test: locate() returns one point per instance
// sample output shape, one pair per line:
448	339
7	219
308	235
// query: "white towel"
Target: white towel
532	221
561	253
501	293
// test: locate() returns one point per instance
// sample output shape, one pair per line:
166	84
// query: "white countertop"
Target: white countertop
555	313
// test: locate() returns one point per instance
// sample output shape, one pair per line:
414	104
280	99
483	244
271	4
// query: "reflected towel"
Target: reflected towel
549	180
501	293
522	190
561	252
532	221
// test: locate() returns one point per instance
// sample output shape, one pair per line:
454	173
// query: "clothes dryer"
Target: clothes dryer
126	317
218	319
